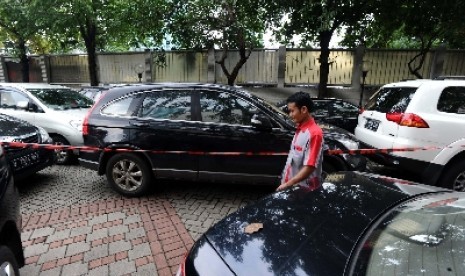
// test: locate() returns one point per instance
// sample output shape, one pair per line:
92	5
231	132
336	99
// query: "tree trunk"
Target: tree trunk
89	38
325	38
24	60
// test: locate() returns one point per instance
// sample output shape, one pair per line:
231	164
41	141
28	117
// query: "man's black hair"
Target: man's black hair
301	99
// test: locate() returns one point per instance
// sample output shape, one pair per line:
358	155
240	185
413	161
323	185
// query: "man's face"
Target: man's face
298	115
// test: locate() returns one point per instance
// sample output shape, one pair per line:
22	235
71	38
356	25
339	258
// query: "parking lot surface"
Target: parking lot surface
74	224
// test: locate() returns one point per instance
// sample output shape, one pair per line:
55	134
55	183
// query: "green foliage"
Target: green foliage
217	23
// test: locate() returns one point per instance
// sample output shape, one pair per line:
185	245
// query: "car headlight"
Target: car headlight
77	124
44	137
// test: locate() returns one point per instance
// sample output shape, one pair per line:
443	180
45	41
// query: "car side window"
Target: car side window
452	100
343	108
223	107
393	99
172	105
121	107
12	99
320	109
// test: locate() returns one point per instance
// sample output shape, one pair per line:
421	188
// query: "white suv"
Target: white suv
58	109
427	114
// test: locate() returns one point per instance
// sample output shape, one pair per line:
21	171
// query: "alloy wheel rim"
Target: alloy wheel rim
459	183
7	269
127	175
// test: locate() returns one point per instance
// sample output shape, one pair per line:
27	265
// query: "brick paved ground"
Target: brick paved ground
74	224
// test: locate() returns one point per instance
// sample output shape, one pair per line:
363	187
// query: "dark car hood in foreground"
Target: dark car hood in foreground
307	232
13	127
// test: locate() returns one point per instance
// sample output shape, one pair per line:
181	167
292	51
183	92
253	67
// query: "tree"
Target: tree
18	26
104	23
225	24
317	21
412	24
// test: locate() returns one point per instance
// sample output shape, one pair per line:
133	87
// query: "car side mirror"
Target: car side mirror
22	105
261	121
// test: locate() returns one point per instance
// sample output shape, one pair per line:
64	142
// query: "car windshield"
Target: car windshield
391	99
425	236
62	99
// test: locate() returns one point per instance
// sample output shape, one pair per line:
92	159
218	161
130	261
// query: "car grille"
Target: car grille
30	138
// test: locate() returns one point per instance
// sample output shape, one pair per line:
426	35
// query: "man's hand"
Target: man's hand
282	187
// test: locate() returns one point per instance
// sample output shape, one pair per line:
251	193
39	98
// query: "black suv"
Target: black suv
201	132
25	161
11	249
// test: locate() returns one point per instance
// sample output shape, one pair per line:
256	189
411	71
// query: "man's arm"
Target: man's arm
304	173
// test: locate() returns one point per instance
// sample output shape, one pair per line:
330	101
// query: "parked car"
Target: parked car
93	92
11	249
425	114
184	128
58	109
25	161
333	111
354	224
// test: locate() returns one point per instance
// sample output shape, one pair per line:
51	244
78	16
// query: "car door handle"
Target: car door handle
139	124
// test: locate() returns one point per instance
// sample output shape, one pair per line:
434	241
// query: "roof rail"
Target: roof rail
450	78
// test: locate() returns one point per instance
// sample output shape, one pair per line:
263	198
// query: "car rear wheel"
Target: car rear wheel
62	156
8	264
454	177
129	174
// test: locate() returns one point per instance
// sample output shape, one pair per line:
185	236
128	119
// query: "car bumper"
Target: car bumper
89	160
25	162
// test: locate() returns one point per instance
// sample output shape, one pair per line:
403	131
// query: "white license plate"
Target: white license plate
26	161
372	125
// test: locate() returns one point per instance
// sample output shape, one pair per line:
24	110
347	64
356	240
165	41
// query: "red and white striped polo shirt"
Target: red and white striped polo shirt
306	149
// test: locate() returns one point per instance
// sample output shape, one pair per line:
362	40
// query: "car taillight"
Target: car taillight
360	110
407	119
85	123
394	117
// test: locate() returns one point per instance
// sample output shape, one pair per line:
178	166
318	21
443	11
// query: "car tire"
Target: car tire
454	177
129	174
8	264
63	157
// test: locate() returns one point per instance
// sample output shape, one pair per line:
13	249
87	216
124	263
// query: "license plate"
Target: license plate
371	124
26	161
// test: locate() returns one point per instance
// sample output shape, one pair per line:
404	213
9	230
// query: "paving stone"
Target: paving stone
119	246
76	248
99	271
122	267
96	252
53	254
50	272
30	269
147	270
83	230
132	219
139	251
75	269
59	235
35	249
116	216
42	232
119	229
135	233
98	234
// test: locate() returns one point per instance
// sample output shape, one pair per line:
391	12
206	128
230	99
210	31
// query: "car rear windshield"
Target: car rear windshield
391	99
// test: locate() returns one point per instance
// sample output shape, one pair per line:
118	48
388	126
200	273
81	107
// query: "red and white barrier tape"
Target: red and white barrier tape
249	153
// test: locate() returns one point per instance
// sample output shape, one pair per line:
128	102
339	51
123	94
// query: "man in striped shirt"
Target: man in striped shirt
305	159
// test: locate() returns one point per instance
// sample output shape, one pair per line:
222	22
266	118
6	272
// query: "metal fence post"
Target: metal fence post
3	70
281	66
44	68
437	62
211	66
148	65
357	68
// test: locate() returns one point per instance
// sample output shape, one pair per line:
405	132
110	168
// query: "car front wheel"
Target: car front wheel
129	174
62	156
454	177
8	264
